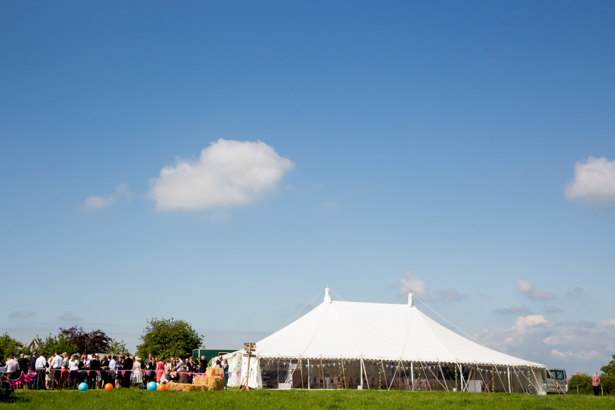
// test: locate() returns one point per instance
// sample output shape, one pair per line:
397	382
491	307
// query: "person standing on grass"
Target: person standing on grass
104	366
56	369
32	368
159	369
225	367
73	368
41	369
127	369
94	369
596	383
12	367
64	372
112	367
118	372
23	366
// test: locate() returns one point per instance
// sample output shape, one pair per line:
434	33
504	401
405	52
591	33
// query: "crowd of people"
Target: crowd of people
63	372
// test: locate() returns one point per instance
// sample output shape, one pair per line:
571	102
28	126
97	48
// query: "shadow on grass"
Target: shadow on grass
15	399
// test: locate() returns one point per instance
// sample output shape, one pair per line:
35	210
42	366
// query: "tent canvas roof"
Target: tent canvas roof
377	331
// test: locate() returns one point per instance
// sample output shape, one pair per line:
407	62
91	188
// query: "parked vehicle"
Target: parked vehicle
555	380
5	387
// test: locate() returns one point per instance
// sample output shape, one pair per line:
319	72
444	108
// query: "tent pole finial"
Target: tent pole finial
410	300
327	295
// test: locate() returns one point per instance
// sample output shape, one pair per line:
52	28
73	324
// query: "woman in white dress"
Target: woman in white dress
137	374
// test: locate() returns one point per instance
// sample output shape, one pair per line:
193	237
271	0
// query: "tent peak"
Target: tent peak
327	295
410	300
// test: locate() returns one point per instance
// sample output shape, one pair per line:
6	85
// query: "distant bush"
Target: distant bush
608	384
582	381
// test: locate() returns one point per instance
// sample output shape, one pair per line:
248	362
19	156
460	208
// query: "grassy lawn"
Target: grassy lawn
263	399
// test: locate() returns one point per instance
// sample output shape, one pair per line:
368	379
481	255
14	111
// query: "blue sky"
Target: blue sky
437	138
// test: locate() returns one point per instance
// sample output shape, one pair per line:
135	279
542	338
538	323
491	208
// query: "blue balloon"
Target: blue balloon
152	386
83	387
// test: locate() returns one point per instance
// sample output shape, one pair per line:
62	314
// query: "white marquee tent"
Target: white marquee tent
399	340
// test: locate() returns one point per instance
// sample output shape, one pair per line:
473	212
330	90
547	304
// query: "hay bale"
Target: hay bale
189	387
174	386
200	381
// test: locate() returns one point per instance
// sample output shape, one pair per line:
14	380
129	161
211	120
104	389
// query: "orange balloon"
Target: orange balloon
162	387
108	386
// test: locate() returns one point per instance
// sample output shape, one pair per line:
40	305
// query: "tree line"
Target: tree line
161	338
582	382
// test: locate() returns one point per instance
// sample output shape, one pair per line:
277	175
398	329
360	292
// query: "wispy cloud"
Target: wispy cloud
97	202
69	317
552	309
330	205
577	291
594	182
514	310
21	314
448	296
531	292
227	174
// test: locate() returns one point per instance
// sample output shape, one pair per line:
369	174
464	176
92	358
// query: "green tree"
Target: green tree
9	345
582	381
117	347
609	369
168	338
59	343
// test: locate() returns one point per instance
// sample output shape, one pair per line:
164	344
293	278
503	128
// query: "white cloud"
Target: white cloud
531	292
535	338
68	317
227	173
584	355
414	284
330	205
22	314
594	182
448	296
514	310
96	202
609	323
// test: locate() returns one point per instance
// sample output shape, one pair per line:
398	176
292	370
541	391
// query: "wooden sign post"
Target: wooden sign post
249	348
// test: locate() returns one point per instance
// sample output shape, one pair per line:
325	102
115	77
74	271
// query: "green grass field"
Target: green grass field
263	399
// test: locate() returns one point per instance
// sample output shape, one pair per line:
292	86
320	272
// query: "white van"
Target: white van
555	380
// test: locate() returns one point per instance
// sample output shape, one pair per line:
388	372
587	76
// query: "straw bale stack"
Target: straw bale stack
212	380
174	386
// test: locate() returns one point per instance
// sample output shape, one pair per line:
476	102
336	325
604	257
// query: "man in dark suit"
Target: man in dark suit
104	365
127	366
94	365
32	368
24	365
